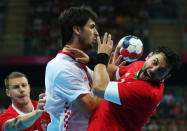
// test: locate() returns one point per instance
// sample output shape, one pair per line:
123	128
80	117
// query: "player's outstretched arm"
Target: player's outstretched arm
24	121
100	75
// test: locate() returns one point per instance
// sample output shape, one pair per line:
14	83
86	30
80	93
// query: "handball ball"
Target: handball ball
131	48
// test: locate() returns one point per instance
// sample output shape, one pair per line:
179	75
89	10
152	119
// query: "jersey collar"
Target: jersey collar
66	53
137	75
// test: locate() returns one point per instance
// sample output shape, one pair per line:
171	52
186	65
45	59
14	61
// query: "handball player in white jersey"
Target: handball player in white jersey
69	97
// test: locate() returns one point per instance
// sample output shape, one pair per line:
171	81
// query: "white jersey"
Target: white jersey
65	80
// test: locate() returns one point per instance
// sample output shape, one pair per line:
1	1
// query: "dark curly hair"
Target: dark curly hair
73	16
172	58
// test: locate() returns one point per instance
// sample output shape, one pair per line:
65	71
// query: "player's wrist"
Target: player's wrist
91	60
102	58
39	111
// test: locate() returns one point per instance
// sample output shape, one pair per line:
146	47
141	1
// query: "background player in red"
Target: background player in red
22	114
132	99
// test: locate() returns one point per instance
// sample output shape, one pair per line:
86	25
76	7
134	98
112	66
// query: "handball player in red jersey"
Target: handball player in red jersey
133	97
23	114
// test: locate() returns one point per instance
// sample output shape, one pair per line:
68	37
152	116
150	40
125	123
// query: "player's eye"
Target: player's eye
18	85
92	26
15	86
155	62
24	84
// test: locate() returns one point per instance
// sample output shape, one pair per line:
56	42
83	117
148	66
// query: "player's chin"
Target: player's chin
23	99
93	44
23	102
94	41
144	77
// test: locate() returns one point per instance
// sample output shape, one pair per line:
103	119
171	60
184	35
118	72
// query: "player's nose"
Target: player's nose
154	69
96	32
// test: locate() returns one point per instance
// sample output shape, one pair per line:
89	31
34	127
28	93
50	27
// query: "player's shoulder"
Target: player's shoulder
60	65
131	68
139	63
153	91
63	61
9	110
4	115
149	88
8	114
145	84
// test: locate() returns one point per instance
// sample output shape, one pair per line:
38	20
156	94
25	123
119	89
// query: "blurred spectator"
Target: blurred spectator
152	126
2	108
118	18
171	114
3	4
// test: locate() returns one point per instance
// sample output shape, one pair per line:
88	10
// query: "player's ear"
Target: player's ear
7	92
149	55
29	88
76	30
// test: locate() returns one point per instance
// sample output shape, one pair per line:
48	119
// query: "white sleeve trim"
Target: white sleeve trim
111	93
117	74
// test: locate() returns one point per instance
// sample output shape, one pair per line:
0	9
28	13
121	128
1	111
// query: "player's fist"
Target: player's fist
41	102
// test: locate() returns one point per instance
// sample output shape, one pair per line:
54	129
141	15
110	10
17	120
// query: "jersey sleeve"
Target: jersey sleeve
70	83
127	93
111	93
134	92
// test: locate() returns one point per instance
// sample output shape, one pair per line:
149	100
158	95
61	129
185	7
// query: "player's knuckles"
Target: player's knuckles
42	100
42	104
41	95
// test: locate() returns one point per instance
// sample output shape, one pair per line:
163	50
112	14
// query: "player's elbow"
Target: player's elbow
99	90
13	124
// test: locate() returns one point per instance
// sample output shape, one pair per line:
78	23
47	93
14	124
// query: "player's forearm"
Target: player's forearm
111	69
22	122
87	104
100	80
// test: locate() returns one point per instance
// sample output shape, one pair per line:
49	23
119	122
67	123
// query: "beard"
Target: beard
86	46
143	75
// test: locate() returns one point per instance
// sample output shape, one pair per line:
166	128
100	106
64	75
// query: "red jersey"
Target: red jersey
139	99
39	125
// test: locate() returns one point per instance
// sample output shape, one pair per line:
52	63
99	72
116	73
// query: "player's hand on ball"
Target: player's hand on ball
116	57
106	45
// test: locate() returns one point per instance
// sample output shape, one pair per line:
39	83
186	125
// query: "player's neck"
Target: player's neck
25	108
79	46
